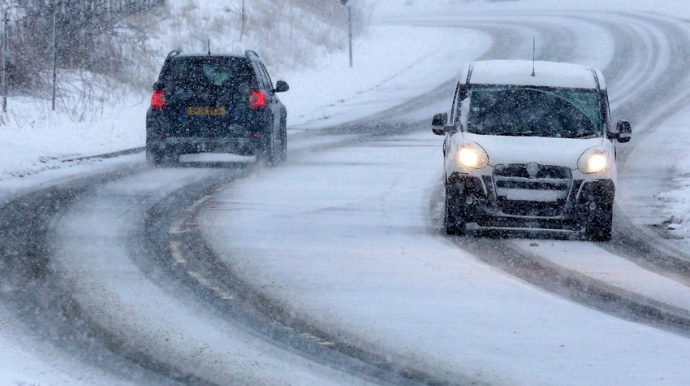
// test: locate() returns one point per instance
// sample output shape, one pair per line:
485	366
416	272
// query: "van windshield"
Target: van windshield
521	111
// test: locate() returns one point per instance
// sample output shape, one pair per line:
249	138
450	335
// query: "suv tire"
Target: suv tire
155	157
162	158
282	150
266	153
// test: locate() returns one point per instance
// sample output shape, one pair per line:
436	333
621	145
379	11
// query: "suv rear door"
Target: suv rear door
207	96
272	101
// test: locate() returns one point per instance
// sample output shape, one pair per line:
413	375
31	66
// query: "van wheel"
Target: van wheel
453	218
599	225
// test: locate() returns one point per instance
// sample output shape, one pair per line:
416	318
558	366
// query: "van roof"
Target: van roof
519	73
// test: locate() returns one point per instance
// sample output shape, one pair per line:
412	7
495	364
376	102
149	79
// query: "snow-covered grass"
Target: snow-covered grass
674	203
34	138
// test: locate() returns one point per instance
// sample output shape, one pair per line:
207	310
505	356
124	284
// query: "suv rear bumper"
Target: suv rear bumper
482	205
179	145
165	136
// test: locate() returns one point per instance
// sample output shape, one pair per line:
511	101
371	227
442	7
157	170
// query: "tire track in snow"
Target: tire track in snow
33	292
188	260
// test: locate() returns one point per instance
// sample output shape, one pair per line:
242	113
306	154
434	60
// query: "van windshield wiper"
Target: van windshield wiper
589	134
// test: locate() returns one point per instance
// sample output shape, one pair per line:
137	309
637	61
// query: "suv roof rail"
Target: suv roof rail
249	53
174	53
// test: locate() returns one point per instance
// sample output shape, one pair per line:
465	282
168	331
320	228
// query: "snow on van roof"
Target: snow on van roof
519	73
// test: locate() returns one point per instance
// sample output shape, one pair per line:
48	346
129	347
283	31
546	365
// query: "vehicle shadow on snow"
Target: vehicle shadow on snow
213	161
537	234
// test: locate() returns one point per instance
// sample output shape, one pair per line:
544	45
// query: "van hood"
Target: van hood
520	150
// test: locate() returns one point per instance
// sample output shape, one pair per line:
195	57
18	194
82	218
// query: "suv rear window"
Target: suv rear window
208	72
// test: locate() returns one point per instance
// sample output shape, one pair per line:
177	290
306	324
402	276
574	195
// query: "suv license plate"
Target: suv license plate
216	111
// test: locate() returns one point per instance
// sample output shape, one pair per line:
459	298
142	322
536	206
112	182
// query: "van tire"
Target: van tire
599	225
454	221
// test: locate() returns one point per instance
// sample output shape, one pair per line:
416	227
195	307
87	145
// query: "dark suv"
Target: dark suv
205	103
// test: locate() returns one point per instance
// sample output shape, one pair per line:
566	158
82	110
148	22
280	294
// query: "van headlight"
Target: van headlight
594	160
472	156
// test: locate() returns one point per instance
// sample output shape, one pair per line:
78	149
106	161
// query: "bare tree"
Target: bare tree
85	31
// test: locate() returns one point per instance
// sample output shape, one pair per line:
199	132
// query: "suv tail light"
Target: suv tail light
158	99
257	99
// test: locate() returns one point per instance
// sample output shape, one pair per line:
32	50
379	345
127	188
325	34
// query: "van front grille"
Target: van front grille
531	189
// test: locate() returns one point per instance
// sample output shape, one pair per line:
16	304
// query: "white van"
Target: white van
529	145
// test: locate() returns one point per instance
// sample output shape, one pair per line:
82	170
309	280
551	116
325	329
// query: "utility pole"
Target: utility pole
349	19
54	55
244	20
5	20
349	22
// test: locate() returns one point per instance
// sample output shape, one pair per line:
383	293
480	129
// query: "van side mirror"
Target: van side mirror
438	124
624	131
281	86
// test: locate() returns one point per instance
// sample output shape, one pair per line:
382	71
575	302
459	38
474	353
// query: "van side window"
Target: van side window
455	101
605	111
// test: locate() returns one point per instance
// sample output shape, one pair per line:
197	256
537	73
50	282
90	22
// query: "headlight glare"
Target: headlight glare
594	160
472	156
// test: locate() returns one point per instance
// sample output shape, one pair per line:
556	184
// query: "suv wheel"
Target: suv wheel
160	158
282	152
266	153
155	157
598	227
453	219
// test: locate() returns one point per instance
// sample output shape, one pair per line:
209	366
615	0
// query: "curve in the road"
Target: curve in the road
652	83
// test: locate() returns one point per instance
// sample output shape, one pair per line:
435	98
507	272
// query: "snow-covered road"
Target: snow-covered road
331	269
351	248
345	239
